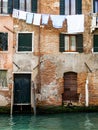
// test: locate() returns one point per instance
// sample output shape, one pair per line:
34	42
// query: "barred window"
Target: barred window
3	41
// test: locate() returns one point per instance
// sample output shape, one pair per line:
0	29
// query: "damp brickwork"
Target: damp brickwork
46	64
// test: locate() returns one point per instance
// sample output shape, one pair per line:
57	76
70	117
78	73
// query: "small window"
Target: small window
95	6
71	43
3	78
26	5
25	42
72	7
95	46
3	41
3	6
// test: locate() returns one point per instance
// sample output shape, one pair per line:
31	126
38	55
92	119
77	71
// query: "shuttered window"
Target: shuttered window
95	40
3	41
25	42
68	7
3	6
95	6
3	78
26	5
71	43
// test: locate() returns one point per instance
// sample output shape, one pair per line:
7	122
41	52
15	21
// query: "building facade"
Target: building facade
44	63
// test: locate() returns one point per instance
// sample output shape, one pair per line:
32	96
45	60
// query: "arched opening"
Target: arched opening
70	87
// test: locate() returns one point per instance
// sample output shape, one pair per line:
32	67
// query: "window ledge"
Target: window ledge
95	52
26	52
4	89
4	52
71	52
4	14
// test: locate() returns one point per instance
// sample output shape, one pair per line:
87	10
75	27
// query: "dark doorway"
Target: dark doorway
22	91
70	87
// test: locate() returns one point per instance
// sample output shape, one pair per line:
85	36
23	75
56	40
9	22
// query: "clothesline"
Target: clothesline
75	23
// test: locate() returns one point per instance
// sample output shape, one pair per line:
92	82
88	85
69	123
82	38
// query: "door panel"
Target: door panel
70	86
22	87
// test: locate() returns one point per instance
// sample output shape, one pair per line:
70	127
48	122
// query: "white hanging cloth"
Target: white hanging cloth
45	18
15	13
37	19
29	18
57	20
75	23
22	15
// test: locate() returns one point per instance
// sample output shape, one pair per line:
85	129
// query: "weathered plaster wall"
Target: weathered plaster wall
6	59
54	64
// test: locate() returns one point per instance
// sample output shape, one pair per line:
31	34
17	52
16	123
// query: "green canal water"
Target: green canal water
69	121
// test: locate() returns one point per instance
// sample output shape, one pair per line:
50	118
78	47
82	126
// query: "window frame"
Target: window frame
69	43
34	5
78	46
78	7
94	6
25	6
7	43
5	87
1	7
32	43
70	8
93	50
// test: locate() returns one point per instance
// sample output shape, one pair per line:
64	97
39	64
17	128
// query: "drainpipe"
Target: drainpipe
86	86
39	54
86	93
12	98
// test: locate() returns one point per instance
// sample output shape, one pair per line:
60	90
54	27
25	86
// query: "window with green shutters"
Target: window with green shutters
95	6
25	5
70	7
25	42
71	43
4	6
95	46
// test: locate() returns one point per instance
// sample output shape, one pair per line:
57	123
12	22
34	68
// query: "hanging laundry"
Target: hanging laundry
75	23
22	15
45	18
29	18
57	20
37	19
15	13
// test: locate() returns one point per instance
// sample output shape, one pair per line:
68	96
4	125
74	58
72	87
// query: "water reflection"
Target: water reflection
88	124
69	121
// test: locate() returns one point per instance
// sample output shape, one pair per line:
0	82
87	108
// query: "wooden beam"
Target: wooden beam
9	29
88	67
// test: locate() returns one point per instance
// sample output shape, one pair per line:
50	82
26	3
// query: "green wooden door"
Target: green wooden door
22	87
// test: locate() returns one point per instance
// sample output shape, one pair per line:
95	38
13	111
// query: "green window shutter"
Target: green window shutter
62	7
78	6
34	6
61	43
95	43
25	42
10	6
16	4
94	6
79	43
